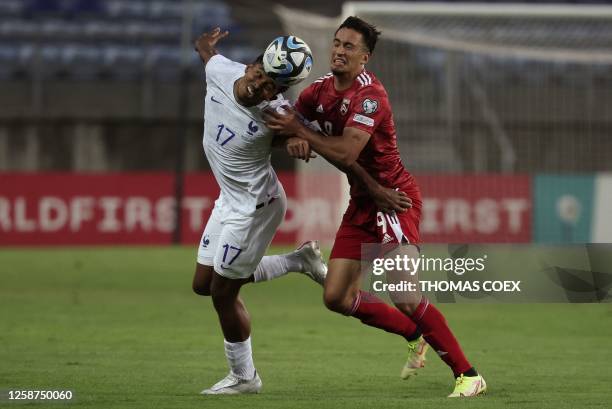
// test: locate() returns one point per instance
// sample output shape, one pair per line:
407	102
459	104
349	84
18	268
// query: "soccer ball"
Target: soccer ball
287	60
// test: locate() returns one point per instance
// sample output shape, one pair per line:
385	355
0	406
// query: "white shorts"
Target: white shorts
234	245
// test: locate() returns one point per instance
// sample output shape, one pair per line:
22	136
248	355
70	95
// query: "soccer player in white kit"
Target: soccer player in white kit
250	207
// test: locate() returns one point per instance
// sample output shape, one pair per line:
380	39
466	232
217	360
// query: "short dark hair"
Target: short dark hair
368	31
258	60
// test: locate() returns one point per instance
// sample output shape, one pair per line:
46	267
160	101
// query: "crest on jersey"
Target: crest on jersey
205	241
344	106
252	128
369	106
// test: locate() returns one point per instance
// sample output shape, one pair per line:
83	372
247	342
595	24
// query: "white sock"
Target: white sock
240	358
271	267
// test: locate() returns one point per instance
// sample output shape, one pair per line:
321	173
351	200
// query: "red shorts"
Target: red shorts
363	223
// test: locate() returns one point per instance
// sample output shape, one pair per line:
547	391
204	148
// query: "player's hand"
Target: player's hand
388	200
284	124
299	148
205	44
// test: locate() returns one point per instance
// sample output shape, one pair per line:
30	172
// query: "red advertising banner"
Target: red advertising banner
66	208
476	208
138	208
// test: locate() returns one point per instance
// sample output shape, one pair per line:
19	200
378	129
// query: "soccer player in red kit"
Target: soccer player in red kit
352	108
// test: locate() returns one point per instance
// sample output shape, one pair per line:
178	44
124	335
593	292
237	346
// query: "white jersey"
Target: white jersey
236	141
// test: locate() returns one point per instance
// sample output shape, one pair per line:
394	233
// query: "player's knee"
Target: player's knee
224	292
337	302
201	288
202	280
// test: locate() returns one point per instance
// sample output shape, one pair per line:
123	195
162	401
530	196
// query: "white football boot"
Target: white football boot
314	266
232	385
416	357
468	386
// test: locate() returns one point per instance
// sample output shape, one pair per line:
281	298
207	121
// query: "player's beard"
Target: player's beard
338	70
341	74
341	71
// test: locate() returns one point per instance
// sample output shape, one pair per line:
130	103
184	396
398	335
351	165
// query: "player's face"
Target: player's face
349	52
255	86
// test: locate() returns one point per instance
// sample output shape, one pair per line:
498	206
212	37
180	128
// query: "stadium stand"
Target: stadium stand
116	65
87	39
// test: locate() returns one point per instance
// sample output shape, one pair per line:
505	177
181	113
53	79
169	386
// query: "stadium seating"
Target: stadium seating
111	39
122	39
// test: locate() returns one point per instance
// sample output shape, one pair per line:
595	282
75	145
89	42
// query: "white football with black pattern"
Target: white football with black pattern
288	60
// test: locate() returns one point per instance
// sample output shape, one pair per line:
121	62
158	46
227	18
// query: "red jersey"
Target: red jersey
365	106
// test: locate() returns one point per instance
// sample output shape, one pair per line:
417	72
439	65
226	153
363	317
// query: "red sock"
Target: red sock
374	312
437	334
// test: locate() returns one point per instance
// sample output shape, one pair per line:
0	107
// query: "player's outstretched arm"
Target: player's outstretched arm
341	151
205	44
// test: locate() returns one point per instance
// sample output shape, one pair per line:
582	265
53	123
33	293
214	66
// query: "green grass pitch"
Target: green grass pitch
121	327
